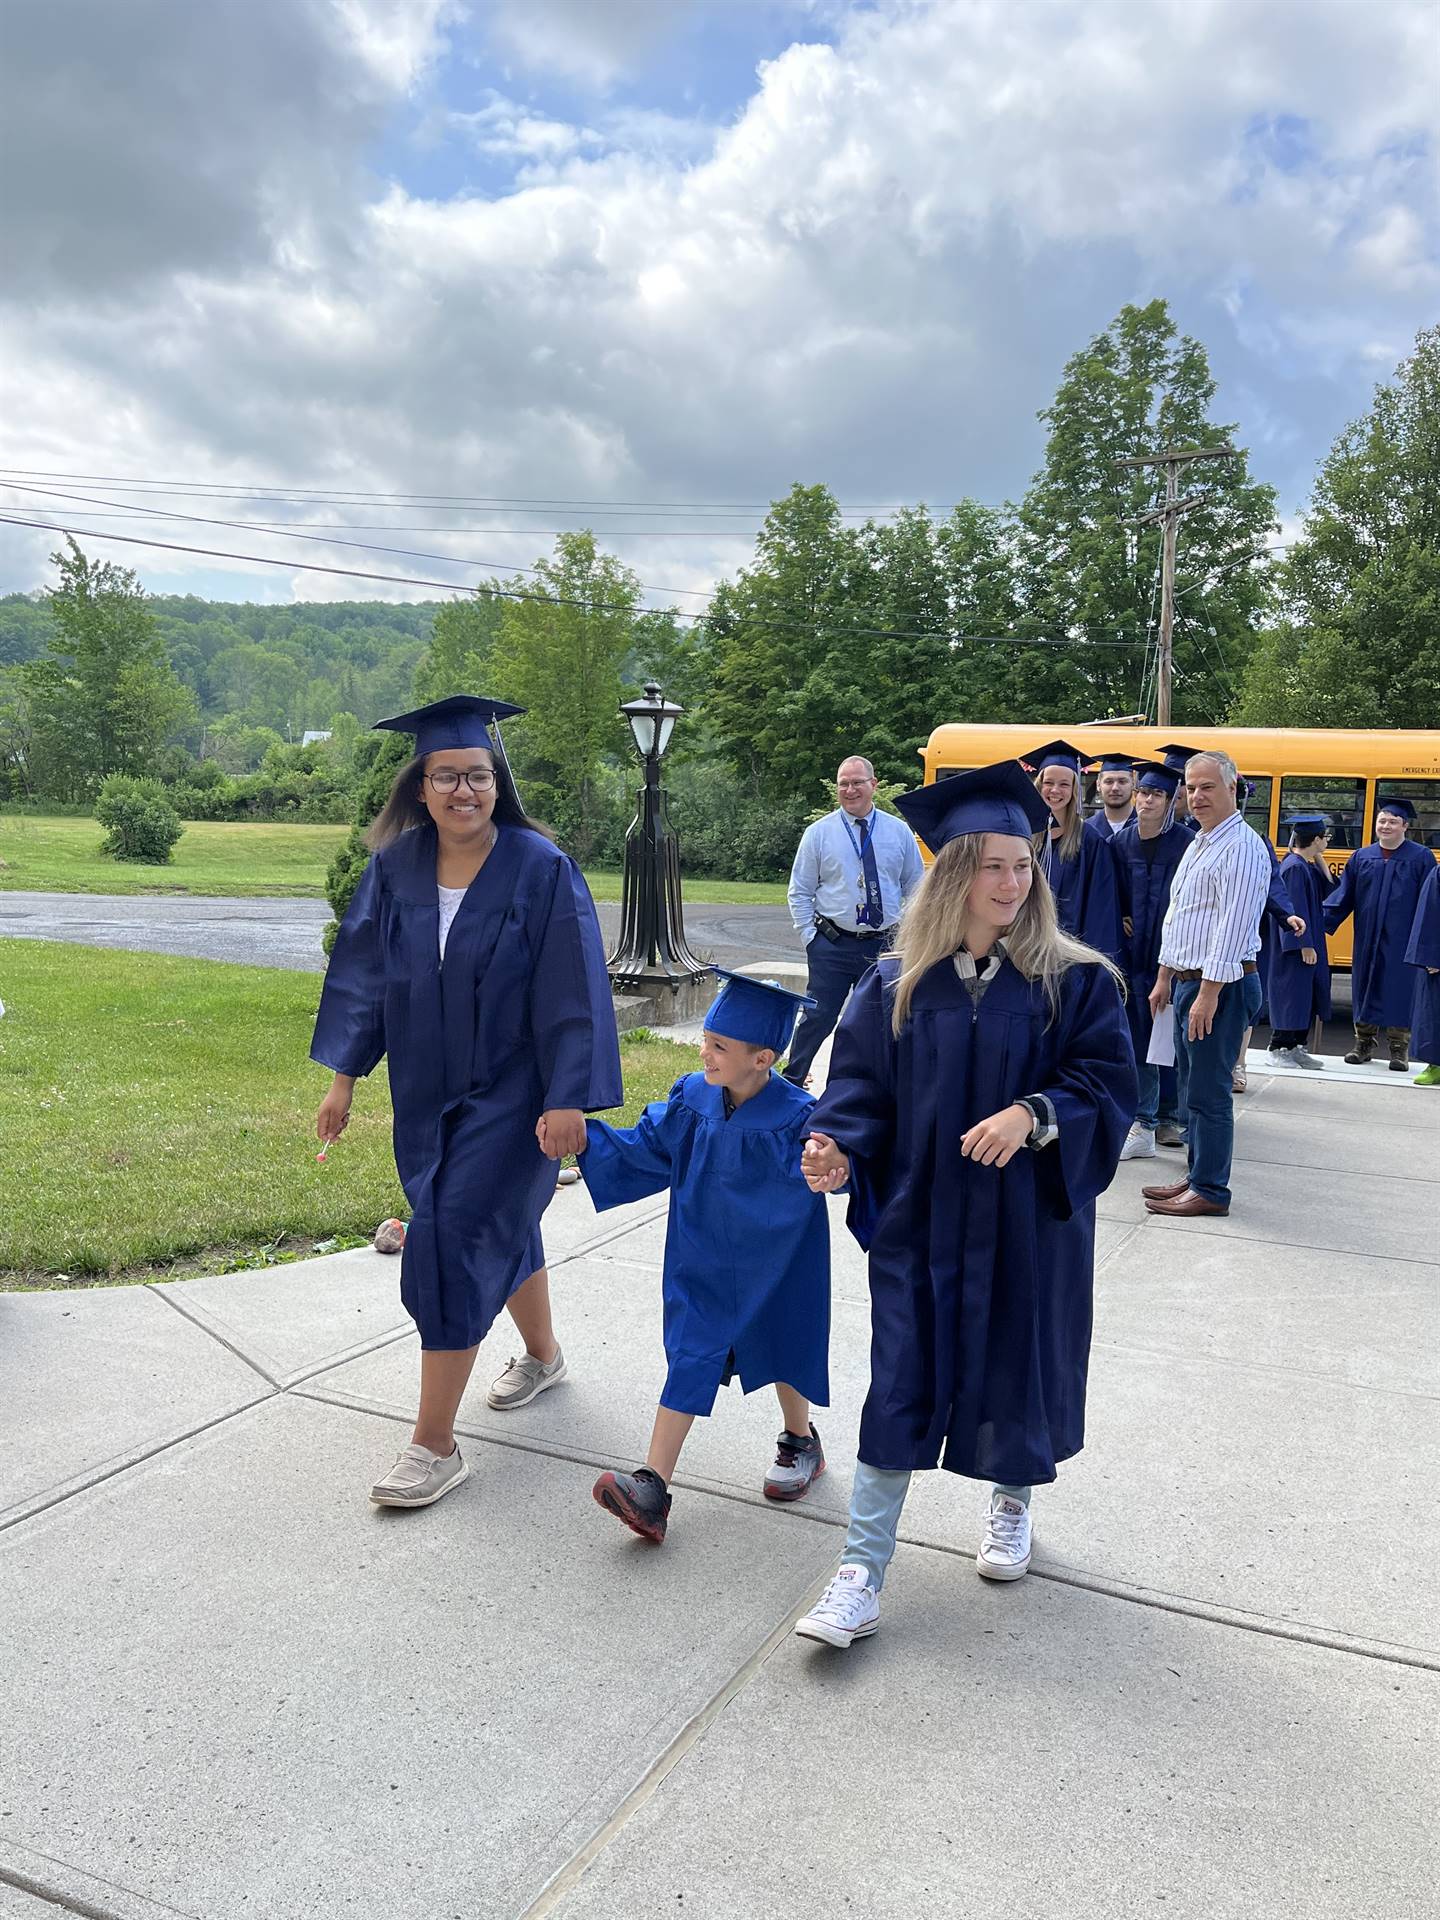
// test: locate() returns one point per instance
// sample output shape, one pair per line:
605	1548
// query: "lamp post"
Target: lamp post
651	957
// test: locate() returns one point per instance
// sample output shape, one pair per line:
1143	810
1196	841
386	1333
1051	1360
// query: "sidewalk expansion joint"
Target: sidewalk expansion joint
206	1326
568	1877
615	1233
1394	1652
1168	1225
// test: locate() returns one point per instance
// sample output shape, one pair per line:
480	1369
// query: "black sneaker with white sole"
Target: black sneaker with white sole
639	1499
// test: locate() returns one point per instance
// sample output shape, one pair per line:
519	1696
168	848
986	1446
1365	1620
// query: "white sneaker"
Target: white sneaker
848	1609
1139	1144
1304	1058
1005	1551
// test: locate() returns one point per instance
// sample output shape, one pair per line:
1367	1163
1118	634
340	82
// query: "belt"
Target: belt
1197	973
851	933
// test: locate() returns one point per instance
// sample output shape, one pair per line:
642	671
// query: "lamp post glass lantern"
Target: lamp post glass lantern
651	953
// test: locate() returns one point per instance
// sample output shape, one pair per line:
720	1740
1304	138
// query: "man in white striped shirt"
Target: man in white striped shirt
1208	973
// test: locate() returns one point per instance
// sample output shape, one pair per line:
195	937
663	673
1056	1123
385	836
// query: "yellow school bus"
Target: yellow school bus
1289	770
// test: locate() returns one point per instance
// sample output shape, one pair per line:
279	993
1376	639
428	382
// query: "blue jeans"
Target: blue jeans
1152	1106
833	967
876	1501
1205	1067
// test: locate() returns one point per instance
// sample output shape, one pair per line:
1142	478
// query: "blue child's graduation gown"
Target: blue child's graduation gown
1423	953
1299	994
747	1247
980	1278
1383	895
1087	900
1144	887
518	1021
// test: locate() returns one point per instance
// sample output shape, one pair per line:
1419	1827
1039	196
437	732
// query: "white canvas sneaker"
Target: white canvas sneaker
848	1609
1005	1551
1139	1144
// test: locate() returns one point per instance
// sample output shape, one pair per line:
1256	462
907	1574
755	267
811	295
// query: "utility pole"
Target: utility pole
1168	516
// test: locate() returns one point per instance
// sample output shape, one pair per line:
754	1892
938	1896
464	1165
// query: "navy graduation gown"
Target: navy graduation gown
519	1020
980	1278
1299	994
1144	889
1423	954
1273	915
1086	897
1097	824
747	1245
1382	894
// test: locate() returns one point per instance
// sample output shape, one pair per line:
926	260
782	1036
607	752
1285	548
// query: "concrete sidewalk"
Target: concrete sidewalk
232	1688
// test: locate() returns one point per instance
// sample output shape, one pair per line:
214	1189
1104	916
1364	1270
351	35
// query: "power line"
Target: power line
509	593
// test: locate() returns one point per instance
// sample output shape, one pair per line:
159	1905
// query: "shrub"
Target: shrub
140	822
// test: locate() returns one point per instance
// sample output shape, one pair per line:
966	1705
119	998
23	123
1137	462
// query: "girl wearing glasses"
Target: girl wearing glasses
471	958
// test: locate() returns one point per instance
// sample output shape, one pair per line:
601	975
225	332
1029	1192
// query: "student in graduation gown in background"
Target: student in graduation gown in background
1115	790
1080	866
1381	886
747	1245
1146	856
470	958
1423	955
1299	980
980	1088
1277	917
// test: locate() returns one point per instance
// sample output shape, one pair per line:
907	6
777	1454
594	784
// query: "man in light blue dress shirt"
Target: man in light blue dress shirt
853	872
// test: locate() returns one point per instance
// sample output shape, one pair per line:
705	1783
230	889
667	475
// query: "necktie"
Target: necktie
872	914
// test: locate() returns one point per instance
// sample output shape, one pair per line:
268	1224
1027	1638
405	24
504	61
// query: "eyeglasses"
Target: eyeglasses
478	779
844	785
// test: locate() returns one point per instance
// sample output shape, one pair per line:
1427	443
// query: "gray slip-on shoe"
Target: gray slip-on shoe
419	1478
523	1381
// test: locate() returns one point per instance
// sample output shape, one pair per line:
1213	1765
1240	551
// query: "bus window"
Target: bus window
948	773
1256	807
1424	796
1341	800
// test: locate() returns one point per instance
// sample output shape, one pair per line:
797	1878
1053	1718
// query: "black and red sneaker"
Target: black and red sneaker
798	1465
639	1499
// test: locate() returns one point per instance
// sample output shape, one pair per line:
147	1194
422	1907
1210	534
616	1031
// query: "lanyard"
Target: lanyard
860	841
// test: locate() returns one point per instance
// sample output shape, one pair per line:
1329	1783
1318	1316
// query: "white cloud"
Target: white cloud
871	278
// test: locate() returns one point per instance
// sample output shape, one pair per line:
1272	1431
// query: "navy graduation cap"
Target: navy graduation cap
1399	804
1304	819
1157	776
997	799
759	1012
1116	763
1055	753
463	720
1175	756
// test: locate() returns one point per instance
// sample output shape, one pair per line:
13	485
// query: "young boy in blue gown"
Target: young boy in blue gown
747	1245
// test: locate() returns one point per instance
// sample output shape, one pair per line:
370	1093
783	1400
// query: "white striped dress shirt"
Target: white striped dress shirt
1216	898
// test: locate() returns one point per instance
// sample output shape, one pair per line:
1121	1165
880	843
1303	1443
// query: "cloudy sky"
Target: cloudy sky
542	263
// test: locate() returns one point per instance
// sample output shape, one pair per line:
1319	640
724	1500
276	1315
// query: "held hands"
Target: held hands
825	1167
561	1131
996	1141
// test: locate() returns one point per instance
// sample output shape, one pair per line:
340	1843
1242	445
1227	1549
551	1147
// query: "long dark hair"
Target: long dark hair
405	809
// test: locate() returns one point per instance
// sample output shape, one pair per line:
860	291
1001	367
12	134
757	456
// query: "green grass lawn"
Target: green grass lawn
237	860
154	1111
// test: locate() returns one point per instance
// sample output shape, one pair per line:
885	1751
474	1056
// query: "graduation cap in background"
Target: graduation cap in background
1157	776
462	720
1175	756
1398	804
762	1013
1304	819
1055	753
996	799
1115	763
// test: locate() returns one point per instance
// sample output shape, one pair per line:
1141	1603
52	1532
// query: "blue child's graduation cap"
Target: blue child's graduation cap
762	1013
462	720
1398	804
998	799
1157	776
1055	753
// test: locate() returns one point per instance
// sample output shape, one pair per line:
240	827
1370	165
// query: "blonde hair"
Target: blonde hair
932	928
1068	843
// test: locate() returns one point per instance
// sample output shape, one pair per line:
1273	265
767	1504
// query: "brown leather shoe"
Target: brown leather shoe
1187	1206
1172	1192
